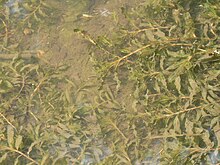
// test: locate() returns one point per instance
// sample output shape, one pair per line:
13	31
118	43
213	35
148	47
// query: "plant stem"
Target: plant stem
19	152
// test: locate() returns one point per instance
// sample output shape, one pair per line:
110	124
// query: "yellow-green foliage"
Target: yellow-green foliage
168	49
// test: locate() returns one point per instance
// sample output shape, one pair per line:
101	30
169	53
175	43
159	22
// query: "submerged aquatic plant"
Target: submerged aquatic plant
20	18
170	50
44	118
167	49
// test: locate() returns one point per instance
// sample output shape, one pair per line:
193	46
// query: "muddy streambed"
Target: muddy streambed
132	113
57	43
61	45
56	40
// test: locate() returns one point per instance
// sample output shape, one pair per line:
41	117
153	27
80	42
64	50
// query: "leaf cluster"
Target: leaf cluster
44	117
170	50
21	18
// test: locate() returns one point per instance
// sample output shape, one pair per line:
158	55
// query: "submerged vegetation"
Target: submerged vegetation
19	19
168	50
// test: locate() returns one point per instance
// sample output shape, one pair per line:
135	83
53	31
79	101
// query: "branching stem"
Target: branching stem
20	153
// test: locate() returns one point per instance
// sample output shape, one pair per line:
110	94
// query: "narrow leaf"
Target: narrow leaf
10	136
177	125
18	142
3	157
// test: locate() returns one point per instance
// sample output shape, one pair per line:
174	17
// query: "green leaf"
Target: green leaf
27	7
10	136
176	125
177	72
206	139
194	88
204	93
45	4
150	35
36	17
3	157
18	141
118	82
178	84
214	121
44	159
216	129
67	95
40	12
160	34
16	160
189	127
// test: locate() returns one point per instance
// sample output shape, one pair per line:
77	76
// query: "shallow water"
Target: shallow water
58	43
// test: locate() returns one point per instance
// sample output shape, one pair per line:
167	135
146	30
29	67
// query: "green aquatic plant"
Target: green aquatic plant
164	56
170	51
19	18
45	118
